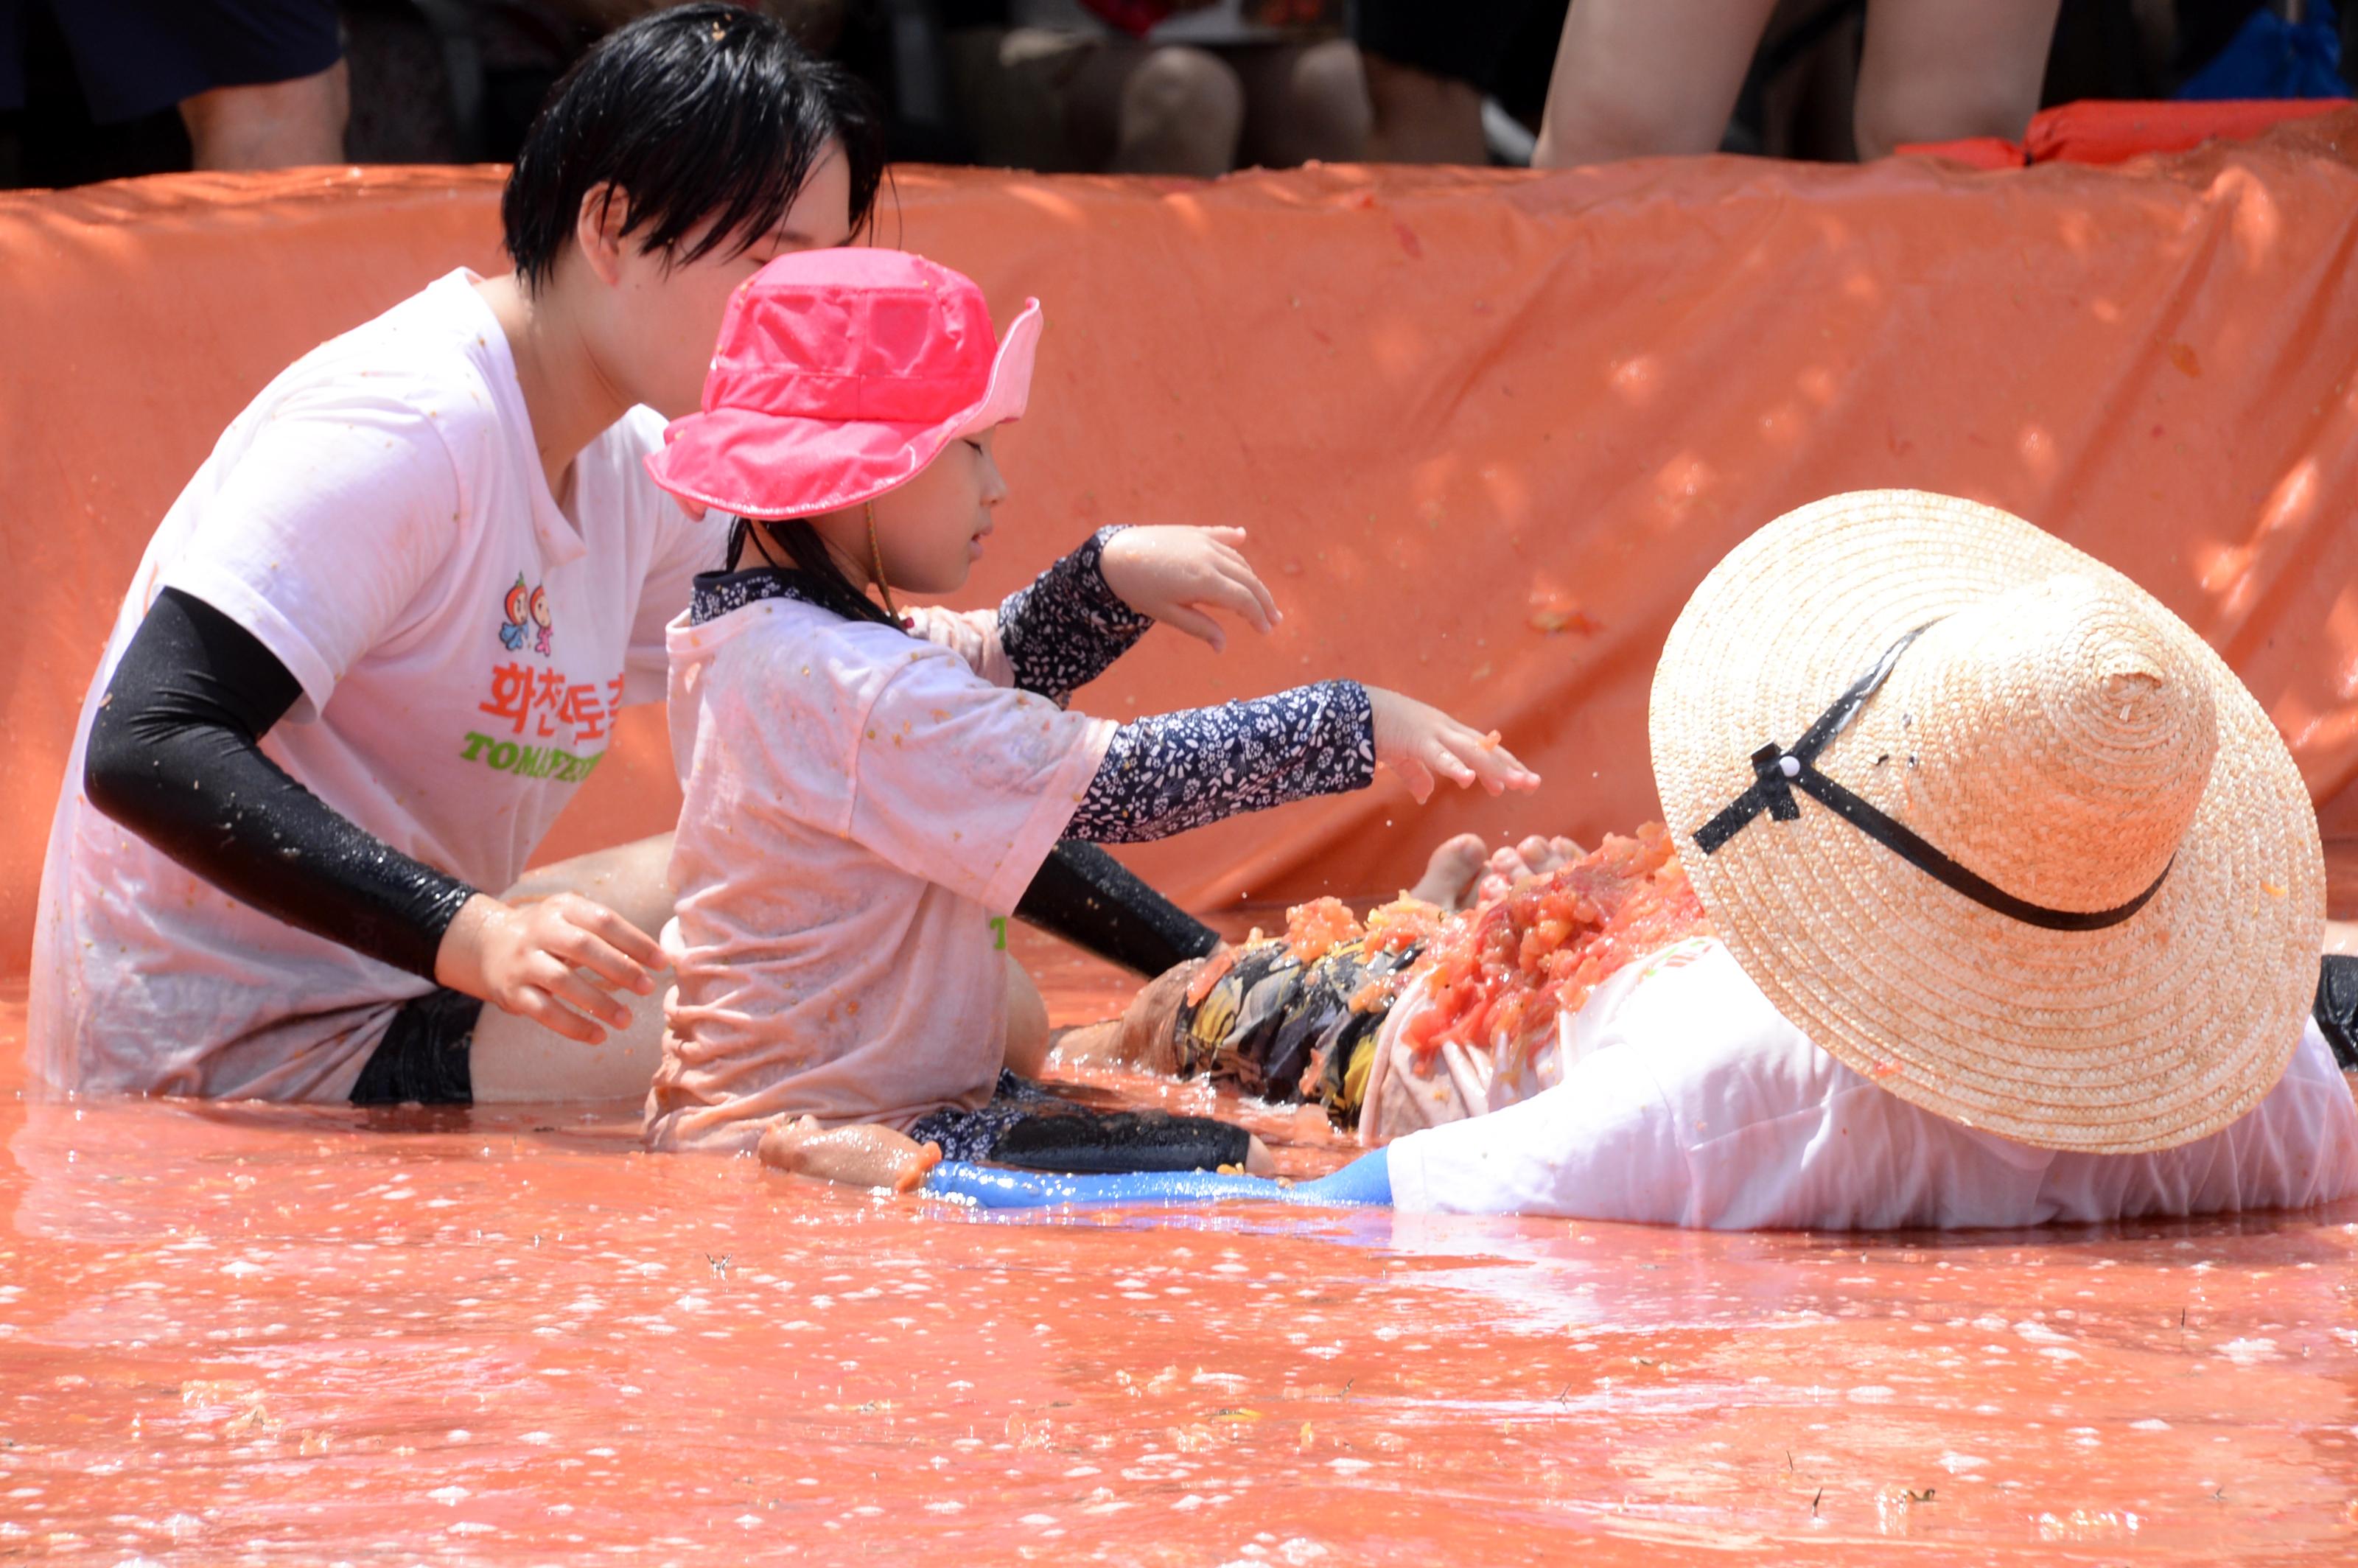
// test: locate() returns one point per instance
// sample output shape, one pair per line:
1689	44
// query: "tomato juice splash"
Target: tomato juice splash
1502	973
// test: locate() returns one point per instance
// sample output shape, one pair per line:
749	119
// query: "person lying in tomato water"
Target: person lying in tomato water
1990	898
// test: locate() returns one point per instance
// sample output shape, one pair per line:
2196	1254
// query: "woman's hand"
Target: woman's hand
1180	576
1417	742
556	961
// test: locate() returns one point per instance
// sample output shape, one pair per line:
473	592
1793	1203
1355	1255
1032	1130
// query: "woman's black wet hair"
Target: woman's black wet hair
703	114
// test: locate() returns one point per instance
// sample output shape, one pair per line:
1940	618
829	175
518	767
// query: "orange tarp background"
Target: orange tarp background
1487	429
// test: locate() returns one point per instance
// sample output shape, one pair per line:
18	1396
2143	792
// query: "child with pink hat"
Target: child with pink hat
868	791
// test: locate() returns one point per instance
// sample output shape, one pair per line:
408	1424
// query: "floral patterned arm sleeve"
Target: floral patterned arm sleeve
1175	771
1064	630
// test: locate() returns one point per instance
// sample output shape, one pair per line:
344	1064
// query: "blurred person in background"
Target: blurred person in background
1124	87
257	83
510	52
1642	78
1429	69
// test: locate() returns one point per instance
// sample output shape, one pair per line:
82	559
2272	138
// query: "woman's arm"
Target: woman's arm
175	755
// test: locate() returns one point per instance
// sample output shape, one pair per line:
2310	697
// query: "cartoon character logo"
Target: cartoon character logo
513	608
525	612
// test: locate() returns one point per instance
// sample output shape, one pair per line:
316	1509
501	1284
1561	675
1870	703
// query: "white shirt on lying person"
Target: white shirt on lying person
1687	1099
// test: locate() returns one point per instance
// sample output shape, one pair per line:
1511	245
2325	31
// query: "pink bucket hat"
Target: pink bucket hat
840	375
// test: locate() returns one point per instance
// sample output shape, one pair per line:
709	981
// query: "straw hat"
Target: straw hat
2055	876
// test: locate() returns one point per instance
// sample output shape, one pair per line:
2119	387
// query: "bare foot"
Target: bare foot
866	1155
1449	875
913	1173
1464	871
1534	856
1258	1160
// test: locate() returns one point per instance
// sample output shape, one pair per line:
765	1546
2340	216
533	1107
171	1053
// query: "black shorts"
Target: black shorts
134	56
1031	1127
423	1058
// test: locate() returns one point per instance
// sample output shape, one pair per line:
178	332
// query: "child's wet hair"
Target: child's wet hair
701	113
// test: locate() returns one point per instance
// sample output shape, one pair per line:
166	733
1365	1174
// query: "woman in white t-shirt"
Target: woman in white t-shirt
2020	926
383	635
867	794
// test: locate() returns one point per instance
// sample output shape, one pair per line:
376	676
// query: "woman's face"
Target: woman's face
930	531
652	326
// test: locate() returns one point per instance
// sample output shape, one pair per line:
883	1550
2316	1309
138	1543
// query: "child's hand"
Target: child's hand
1417	742
1179	575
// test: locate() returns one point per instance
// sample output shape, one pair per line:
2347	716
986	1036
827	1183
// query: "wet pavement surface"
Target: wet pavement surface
236	1334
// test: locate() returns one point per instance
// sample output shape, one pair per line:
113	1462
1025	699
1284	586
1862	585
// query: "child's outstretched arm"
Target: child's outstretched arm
1071	623
1173	771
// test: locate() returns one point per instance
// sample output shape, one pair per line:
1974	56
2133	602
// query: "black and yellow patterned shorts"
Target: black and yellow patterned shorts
1285	1031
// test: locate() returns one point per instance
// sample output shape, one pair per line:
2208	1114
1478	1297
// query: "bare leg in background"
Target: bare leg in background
1642	78
1172	109
273	124
1937	71
1303	101
1423	118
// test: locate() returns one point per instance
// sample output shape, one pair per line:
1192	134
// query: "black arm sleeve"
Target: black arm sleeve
1091	900
175	755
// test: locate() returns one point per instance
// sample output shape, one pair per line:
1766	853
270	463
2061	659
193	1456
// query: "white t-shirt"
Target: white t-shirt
378	518
863	809
1687	1099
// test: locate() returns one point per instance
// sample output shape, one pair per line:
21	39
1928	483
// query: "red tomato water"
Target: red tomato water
308	1336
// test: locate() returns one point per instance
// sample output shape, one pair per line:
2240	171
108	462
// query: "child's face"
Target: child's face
656	319
930	531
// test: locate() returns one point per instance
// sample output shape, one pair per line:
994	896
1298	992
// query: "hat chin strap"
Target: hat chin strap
876	559
1778	772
